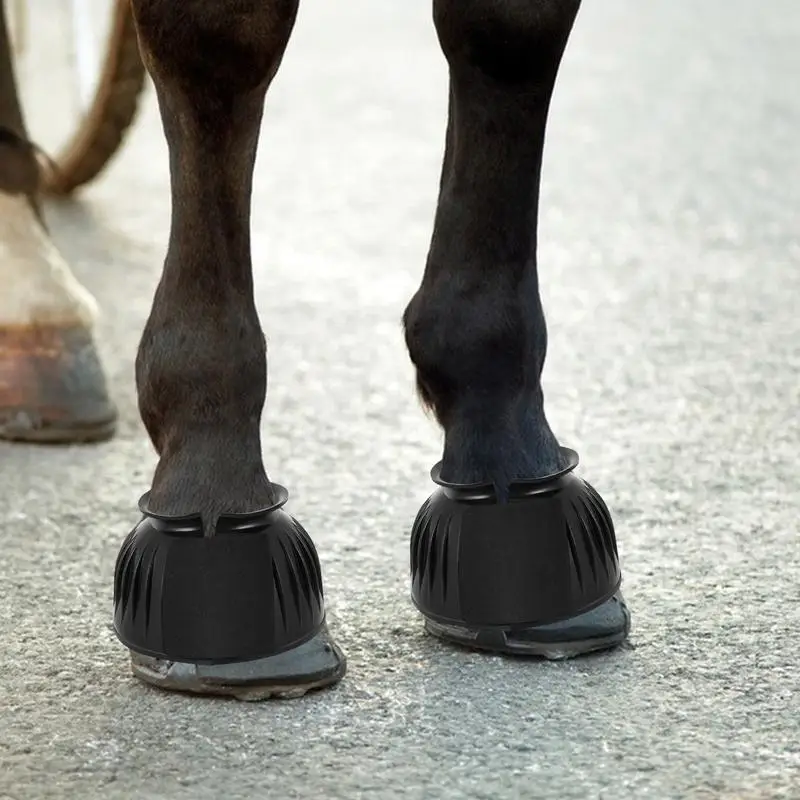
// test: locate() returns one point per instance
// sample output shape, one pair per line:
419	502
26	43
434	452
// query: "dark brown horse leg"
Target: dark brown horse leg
239	599
476	333
52	386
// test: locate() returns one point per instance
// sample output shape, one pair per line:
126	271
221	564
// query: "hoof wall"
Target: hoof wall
602	628
310	666
536	575
52	386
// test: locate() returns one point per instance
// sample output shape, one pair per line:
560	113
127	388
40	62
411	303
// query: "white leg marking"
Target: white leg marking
36	284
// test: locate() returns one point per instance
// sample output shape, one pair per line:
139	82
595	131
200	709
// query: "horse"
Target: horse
218	589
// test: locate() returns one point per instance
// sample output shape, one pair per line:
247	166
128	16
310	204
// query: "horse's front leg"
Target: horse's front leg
217	590
513	553
52	386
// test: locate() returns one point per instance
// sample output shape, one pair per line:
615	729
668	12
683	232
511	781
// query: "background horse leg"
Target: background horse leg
201	367
52	386
476	330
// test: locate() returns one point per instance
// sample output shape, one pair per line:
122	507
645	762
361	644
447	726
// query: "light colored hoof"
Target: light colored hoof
52	385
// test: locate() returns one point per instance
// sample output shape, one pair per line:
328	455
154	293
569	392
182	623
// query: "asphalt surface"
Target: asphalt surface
669	260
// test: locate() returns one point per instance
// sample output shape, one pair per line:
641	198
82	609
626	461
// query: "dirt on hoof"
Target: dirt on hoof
52	386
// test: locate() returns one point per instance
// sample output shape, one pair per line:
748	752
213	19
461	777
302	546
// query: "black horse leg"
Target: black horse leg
476	333
239	599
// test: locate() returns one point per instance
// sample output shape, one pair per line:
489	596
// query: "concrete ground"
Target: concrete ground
669	262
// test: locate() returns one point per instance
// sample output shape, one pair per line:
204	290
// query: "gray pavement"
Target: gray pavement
670	249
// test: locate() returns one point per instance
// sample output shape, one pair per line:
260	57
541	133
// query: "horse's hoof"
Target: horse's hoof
52	386
238	613
538	575
313	665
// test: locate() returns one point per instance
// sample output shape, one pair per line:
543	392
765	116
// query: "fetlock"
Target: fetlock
201	388
478	351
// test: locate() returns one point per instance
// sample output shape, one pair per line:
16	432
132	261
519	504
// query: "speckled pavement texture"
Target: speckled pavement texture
669	259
